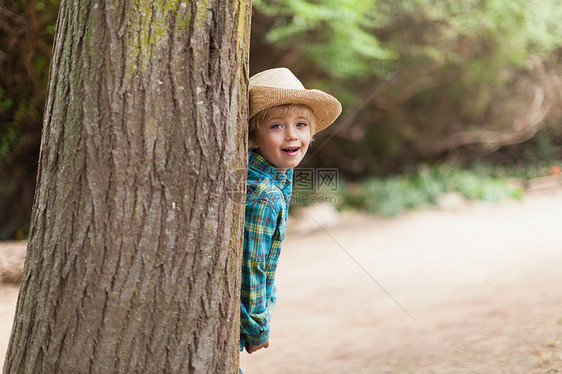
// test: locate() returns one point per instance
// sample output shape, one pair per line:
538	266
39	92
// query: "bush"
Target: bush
411	191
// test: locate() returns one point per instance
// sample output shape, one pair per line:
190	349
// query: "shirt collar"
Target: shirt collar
258	164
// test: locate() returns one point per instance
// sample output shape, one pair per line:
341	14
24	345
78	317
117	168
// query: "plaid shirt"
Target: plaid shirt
267	205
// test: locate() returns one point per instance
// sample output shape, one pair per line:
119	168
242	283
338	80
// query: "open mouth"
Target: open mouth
290	150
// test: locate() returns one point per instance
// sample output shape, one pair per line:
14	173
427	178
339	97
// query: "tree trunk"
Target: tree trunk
133	256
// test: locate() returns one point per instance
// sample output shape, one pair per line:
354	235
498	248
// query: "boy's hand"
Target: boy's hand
252	348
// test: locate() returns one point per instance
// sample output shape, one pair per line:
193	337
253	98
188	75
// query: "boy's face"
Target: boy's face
284	139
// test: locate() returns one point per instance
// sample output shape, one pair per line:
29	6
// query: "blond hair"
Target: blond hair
257	121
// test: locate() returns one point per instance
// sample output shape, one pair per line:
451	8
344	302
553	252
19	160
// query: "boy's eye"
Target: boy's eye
302	124
276	126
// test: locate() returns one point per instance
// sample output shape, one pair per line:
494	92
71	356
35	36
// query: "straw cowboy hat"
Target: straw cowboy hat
279	86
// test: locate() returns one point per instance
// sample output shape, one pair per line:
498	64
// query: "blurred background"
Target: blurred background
438	96
443	102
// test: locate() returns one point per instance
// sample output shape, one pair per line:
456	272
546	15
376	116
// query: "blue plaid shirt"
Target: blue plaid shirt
267	205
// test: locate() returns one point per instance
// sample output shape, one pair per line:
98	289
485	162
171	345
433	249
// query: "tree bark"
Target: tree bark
134	251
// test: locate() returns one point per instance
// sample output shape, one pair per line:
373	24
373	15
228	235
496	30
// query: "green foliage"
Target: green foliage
477	187
410	73
26	33
510	30
8	137
365	37
6	102
411	191
420	70
475	47
542	149
335	35
541	156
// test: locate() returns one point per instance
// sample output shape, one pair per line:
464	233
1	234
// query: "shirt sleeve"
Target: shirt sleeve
256	305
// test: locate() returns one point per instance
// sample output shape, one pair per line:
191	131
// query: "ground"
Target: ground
475	289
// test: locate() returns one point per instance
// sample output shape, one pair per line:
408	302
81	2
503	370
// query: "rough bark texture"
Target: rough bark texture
133	256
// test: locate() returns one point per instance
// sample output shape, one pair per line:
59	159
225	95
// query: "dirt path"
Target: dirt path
480	290
484	286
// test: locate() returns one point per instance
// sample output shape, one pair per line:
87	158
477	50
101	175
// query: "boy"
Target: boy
283	118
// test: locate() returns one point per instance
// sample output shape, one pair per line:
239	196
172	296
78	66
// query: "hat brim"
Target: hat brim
325	107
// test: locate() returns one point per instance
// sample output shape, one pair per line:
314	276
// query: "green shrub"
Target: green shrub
393	195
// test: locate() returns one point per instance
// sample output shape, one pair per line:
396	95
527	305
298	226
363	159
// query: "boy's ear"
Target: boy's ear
253	141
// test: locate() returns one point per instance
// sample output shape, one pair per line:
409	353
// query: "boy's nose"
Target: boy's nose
291	133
